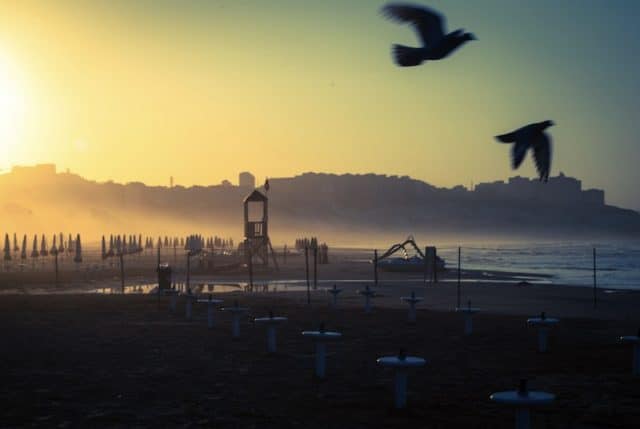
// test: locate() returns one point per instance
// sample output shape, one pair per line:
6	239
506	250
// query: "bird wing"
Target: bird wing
429	24
542	155
507	138
518	152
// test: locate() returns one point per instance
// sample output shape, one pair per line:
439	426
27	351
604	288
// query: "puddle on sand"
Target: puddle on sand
258	287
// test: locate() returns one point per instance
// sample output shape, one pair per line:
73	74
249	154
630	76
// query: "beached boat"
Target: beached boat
410	264
407	263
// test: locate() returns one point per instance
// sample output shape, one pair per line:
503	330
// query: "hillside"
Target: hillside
341	208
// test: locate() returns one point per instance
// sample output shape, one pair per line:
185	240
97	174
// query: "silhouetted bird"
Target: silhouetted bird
531	136
430	26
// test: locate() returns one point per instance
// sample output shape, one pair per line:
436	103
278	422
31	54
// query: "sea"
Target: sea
617	263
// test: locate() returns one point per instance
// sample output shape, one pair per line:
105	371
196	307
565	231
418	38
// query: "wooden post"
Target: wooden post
306	268
458	291
426	266
375	267
56	267
249	263
122	271
435	266
315	267
188	271
595	285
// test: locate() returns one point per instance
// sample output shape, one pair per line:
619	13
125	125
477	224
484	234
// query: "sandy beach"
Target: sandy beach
90	360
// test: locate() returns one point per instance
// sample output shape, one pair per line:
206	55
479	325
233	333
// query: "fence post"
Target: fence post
426	266
459	268
595	285
122	270
375	267
306	270
315	267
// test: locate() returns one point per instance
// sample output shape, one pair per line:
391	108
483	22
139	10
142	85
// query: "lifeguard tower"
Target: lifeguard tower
256	232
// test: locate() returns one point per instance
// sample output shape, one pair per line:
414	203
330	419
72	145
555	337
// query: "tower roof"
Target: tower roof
255	196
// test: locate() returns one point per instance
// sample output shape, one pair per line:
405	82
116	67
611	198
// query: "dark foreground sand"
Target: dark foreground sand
124	361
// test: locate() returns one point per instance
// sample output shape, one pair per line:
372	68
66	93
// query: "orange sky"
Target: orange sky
140	91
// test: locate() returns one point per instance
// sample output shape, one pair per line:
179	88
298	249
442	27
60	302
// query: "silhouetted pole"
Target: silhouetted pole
158	264
250	261
315	267
284	255
188	270
375	267
55	264
435	266
595	285
426	266
458	295
122	270
306	270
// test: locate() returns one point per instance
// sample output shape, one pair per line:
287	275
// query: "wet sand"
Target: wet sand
125	361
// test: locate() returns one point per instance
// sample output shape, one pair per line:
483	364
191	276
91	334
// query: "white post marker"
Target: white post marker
271	323
522	399
334	292
211	307
634	340
368	294
543	323
236	312
188	304
320	337
412	300
401	364
468	313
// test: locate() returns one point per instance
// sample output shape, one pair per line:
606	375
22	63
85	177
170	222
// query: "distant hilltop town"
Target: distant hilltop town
567	190
311	203
559	190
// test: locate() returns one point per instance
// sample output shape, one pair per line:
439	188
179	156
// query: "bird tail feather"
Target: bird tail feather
405	56
506	138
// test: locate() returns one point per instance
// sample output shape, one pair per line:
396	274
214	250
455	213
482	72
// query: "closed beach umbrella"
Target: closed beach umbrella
43	246
15	243
7	248
78	256
61	245
104	248
34	251
70	244
23	254
54	249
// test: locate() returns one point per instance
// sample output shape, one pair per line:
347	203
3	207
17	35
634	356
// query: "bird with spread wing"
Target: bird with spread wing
532	137
431	28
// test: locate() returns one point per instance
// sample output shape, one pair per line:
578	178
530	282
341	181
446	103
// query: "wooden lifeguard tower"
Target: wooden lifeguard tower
256	229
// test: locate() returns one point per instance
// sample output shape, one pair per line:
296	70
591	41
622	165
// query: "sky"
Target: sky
201	90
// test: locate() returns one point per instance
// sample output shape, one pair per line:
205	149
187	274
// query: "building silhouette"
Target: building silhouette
560	189
246	180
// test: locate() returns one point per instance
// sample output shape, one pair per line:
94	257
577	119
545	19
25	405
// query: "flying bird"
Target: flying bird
531	136
431	27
